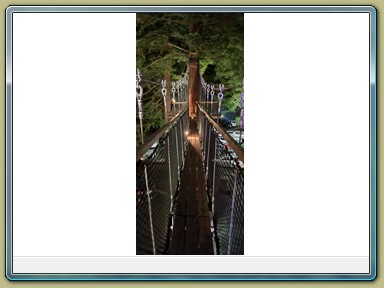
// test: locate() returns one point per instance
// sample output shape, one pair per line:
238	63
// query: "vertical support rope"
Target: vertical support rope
207	98
173	101
213	228
181	140
149	192
178	95
164	93
232	208
242	112
212	95
169	171
139	95
220	97
208	146
202	96
177	148
205	126
210	131
214	179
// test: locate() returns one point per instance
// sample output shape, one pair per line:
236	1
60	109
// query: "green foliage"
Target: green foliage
166	41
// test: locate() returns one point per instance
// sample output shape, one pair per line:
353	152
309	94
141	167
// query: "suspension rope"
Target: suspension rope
220	96
173	97
149	192
214	178
169	170
164	93
232	208
139	95
241	112
178	83
209	130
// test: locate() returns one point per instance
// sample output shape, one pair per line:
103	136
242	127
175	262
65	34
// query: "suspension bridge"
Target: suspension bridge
190	177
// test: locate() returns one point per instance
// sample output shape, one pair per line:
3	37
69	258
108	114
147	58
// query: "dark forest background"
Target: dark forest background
167	42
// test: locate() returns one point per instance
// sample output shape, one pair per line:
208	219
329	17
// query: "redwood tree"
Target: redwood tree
210	43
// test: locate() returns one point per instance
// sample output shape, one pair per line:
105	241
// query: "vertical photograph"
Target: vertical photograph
190	134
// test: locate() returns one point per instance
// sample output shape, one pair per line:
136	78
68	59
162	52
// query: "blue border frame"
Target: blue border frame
196	277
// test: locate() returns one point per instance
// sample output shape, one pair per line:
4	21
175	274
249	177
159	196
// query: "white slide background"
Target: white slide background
306	117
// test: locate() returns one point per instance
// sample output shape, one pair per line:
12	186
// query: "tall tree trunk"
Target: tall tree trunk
194	75
193	87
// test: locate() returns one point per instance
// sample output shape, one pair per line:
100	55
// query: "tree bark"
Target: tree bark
193	87
194	75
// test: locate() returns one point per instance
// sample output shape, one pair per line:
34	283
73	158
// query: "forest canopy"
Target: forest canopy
166	42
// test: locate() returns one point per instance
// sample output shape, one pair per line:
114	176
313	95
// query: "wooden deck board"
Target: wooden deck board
178	236
192	231
205	237
192	236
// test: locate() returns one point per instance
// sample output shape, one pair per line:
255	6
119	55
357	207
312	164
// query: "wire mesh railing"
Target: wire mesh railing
158	165
223	160
159	160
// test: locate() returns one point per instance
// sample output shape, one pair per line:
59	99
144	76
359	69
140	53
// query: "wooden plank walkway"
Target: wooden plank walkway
191	230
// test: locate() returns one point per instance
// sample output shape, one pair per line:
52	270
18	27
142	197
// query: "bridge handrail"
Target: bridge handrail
143	148
232	143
